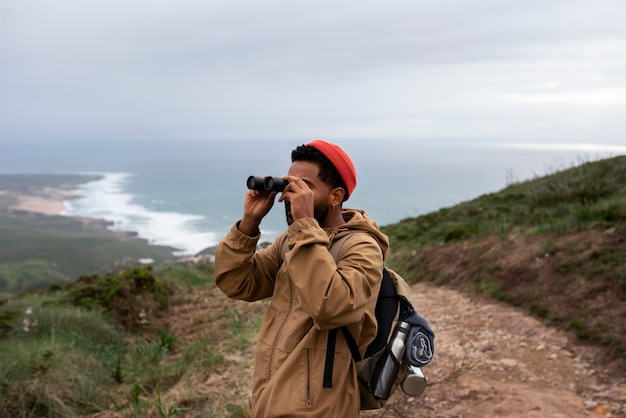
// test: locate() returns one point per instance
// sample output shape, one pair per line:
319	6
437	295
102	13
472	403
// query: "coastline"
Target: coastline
40	193
24	194
52	203
42	245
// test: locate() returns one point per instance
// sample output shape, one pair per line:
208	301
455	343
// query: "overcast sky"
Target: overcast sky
532	70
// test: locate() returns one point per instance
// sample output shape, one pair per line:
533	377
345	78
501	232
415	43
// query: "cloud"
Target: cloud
284	69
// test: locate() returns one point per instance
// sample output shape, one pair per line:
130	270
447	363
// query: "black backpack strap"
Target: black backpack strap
330	358
354	349
332	334
330	353
386	311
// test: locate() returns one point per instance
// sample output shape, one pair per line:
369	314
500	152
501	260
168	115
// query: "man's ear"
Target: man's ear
336	196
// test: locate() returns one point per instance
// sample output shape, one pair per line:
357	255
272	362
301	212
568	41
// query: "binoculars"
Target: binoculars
268	184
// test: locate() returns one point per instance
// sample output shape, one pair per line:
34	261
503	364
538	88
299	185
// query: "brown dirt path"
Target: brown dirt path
492	360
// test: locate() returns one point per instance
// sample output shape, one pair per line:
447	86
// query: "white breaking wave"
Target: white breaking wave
106	199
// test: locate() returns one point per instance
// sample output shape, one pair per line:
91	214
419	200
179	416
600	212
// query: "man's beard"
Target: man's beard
320	212
288	213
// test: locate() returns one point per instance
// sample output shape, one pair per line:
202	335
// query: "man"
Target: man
311	292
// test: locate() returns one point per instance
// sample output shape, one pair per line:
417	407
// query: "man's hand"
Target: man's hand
256	205
300	197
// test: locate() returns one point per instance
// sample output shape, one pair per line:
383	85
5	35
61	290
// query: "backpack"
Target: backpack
380	371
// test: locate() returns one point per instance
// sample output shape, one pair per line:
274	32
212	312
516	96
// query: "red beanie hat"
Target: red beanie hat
340	160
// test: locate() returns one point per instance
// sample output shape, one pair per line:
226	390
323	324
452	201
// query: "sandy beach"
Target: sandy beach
51	203
43	194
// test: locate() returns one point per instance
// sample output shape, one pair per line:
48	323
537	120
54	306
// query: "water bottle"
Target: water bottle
414	381
389	371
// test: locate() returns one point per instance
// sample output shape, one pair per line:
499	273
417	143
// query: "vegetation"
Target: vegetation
590	195
154	342
101	343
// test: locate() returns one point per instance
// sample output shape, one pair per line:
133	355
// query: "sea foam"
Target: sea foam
106	199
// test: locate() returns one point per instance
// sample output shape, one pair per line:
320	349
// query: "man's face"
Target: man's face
308	172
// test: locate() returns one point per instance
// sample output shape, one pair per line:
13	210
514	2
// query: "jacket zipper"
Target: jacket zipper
282	324
309	402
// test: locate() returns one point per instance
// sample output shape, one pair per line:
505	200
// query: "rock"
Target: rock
509	363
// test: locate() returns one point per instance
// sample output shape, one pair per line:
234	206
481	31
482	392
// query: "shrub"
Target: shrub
123	295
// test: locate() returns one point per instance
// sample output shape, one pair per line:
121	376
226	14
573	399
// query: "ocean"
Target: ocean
187	194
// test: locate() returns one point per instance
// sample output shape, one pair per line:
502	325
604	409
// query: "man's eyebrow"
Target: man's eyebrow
307	181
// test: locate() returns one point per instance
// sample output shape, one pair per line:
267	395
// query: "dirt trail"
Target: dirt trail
492	360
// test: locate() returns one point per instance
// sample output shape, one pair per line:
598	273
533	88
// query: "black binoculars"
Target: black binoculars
268	184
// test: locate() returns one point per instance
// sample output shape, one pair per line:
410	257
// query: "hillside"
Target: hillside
555	246
524	288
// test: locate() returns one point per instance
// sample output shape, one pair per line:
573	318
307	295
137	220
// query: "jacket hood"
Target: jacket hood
358	220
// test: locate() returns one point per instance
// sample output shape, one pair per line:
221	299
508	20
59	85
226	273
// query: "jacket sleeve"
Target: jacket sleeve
243	273
333	293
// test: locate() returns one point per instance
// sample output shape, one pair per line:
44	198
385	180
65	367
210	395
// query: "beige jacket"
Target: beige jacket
310	295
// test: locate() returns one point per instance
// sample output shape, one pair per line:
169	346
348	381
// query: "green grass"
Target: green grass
37	249
186	276
61	347
242	329
61	357
592	194
29	274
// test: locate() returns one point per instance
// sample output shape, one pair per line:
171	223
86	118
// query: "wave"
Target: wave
106	199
